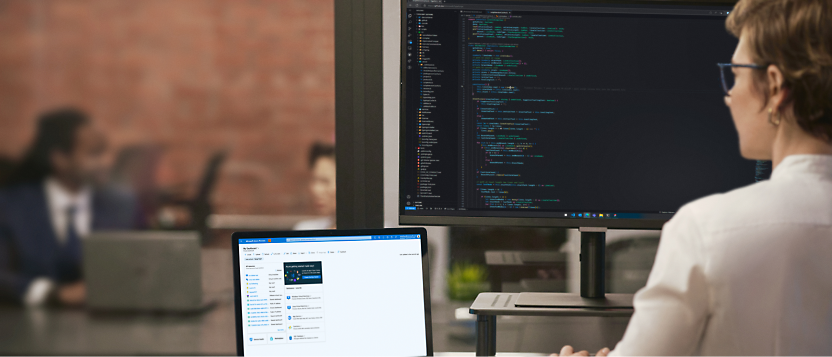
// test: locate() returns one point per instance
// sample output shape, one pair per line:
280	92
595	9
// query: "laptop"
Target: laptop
332	293
143	271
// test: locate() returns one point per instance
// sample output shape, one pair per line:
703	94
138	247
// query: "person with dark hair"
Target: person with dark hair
748	272
322	187
49	204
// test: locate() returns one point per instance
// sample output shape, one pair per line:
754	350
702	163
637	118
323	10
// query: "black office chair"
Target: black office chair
200	205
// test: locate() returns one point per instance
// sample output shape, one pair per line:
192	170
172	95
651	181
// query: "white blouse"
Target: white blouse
748	272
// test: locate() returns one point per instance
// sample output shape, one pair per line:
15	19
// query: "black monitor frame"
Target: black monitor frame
473	220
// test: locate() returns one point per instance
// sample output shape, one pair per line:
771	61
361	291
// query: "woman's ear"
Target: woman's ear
775	87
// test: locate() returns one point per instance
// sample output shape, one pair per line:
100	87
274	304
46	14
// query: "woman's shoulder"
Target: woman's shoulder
756	191
765	203
742	206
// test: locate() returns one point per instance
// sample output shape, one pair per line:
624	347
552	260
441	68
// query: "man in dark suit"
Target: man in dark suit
49	204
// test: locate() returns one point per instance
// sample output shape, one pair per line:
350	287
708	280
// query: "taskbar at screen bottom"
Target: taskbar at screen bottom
411	211
567	219
565	222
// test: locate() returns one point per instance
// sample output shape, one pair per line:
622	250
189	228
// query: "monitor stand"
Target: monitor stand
593	265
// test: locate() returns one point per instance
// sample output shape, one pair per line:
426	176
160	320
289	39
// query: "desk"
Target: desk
53	331
74	332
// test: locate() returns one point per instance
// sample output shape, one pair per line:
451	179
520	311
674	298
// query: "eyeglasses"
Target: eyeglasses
727	74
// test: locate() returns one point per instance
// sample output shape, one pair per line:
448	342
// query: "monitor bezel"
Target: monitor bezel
474	220
238	298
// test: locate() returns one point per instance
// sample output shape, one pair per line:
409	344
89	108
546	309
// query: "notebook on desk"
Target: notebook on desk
332	293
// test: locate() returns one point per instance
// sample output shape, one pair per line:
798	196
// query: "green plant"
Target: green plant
466	281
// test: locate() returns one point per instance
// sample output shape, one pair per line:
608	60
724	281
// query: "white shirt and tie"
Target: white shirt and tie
748	272
59	203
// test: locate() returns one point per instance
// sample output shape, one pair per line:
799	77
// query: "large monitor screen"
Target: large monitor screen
564	114
332	293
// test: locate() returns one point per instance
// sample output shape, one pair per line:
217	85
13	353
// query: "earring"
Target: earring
770	110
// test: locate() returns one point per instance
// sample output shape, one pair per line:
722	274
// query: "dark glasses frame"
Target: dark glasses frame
722	67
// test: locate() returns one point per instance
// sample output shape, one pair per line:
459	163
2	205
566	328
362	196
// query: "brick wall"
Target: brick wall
195	76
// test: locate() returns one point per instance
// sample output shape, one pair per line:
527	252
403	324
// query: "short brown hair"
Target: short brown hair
320	150
795	36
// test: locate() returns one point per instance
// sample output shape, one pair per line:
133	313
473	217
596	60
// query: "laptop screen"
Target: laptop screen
332	295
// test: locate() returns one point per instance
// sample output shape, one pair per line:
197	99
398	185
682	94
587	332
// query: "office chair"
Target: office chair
199	206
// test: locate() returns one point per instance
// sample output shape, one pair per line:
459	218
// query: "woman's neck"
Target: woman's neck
792	140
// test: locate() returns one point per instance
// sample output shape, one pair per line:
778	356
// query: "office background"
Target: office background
255	78
185	80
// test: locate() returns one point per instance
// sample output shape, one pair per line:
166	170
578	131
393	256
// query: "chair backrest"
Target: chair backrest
209	177
200	206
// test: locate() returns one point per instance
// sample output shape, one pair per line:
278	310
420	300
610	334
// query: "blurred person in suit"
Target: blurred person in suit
322	187
49	204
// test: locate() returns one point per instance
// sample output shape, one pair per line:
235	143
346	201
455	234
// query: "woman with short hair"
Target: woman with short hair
749	272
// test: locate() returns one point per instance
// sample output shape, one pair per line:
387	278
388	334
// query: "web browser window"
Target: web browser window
353	295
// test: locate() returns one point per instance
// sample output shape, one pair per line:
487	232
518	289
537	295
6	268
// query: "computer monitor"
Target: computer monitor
564	114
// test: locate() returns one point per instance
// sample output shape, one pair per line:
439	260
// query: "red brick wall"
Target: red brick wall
255	77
